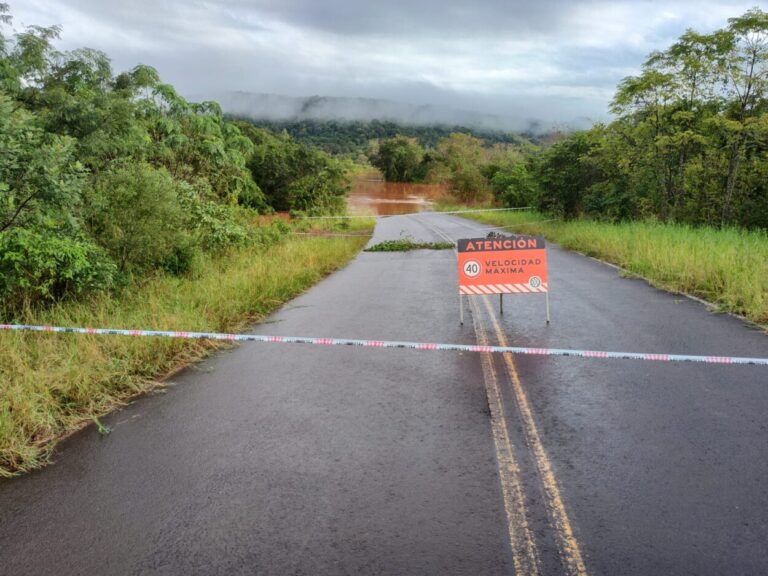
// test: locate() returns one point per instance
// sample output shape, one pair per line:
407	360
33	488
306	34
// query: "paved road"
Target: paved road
271	459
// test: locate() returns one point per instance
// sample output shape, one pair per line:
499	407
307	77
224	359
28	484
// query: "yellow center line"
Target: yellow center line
439	232
524	552
569	546
525	555
516	515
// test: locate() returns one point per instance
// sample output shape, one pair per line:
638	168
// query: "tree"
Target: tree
694	119
513	185
565	174
40	180
398	158
463	158
745	71
135	212
101	172
294	176
29	61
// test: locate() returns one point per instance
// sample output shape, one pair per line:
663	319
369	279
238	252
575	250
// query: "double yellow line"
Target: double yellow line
525	552
570	551
525	555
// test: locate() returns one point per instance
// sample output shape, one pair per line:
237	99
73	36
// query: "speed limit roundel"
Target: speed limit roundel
471	268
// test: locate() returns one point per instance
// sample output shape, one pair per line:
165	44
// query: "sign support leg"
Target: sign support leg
461	309
501	304
547	298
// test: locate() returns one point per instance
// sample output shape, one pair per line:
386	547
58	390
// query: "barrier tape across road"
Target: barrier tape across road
424	213
392	344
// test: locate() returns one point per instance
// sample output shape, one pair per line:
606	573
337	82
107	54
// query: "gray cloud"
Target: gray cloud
555	60
430	17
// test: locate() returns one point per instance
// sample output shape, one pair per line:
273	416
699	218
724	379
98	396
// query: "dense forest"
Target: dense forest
352	139
105	178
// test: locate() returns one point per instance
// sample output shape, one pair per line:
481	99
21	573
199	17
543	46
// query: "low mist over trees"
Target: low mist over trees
107	177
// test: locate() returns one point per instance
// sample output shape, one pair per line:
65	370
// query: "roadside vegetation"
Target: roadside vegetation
54	383
124	205
109	178
725	266
342	225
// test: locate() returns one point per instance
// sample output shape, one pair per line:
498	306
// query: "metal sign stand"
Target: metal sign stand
501	307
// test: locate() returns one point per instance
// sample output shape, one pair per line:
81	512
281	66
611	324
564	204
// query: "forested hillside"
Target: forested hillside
106	177
353	138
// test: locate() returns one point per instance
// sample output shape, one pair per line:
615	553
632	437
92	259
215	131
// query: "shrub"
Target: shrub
266	236
214	224
318	194
135	213
513	185
42	266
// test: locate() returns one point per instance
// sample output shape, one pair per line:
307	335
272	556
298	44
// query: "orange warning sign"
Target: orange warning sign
514	265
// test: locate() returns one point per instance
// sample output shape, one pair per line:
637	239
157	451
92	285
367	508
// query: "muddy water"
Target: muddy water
370	194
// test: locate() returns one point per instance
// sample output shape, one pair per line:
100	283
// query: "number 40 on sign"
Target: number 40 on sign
508	265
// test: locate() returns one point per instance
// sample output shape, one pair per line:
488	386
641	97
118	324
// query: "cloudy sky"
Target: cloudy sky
557	60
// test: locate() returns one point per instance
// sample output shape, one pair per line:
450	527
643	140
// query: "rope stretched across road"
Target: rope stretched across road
429	346
426	213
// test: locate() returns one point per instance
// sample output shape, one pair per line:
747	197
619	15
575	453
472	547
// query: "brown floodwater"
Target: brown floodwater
370	194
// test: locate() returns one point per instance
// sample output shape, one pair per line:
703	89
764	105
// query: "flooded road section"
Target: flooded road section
370	194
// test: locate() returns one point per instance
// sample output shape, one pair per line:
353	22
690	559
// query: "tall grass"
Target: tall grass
52	383
341	225
727	267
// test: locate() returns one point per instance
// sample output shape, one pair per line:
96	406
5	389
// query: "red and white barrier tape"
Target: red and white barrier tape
393	344
331	235
424	213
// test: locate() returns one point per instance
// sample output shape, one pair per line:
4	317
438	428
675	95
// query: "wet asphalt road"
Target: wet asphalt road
272	459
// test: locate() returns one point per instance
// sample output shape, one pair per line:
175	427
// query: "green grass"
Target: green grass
404	245
51	384
727	267
342	225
